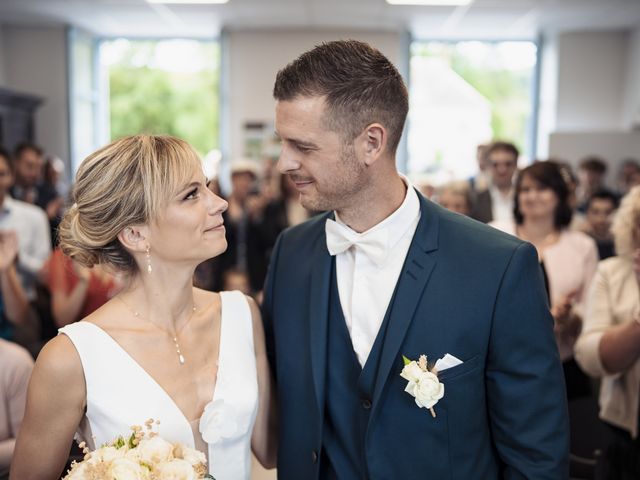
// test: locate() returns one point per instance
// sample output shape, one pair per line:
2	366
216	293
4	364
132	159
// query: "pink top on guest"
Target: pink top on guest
570	264
15	369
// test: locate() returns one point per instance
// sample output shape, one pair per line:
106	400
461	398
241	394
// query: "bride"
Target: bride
162	349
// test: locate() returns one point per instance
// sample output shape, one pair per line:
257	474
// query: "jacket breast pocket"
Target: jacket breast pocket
467	366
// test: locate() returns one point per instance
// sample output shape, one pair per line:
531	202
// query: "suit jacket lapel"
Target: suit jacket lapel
319	315
413	279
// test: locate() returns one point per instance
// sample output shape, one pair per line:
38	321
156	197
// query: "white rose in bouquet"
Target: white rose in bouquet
176	469
194	457
155	450
107	454
125	469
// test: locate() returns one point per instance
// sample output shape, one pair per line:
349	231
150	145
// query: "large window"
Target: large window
163	87
464	94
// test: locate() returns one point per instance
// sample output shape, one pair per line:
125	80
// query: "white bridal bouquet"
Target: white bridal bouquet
142	456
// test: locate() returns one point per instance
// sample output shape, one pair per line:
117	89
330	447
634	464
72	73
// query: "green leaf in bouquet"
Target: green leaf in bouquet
119	442
132	441
406	360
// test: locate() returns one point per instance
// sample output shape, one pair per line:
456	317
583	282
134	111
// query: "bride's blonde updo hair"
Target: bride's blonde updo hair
125	183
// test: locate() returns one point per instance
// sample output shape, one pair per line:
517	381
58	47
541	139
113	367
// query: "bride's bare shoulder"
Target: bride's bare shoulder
59	359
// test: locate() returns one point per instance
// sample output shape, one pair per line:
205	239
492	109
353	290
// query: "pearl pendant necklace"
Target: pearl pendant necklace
173	336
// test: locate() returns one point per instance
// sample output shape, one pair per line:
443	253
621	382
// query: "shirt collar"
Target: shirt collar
396	224
7	204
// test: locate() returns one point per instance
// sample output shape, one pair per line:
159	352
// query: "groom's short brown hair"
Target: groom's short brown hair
360	85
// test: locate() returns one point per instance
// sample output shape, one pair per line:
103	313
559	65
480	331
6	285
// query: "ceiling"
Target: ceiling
482	19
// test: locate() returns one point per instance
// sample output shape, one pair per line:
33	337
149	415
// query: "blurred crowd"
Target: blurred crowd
587	236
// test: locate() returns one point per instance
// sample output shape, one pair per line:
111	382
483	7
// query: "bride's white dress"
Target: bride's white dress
120	393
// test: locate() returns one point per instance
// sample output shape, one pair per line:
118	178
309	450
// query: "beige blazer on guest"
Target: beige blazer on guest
614	298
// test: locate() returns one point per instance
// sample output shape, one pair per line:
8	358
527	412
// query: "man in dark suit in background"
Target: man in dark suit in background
495	203
385	275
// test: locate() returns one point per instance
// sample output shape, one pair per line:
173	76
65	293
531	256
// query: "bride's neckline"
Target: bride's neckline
156	383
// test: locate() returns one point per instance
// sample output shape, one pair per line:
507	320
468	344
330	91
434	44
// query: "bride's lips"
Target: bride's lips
219	226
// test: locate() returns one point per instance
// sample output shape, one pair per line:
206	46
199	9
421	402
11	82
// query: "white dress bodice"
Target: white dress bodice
120	393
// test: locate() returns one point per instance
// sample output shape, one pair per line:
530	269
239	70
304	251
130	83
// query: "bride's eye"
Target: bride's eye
193	194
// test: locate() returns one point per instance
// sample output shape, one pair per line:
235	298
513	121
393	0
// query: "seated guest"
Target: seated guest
609	345
597	224
496	203
77	291
455	196
30	225
542	214
14	378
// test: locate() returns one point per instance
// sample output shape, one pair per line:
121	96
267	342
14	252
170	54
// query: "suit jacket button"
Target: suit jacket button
366	403
314	456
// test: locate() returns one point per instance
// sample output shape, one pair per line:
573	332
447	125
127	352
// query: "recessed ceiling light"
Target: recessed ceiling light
200	2
432	3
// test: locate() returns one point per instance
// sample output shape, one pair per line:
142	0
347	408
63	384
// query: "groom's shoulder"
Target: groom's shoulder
459	231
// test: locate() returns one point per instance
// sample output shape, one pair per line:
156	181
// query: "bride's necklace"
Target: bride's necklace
173	336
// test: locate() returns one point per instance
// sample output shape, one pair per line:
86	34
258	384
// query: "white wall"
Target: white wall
35	63
592	69
2	77
255	56
631	107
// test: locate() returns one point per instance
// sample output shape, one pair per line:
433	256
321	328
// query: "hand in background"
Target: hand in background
81	271
8	249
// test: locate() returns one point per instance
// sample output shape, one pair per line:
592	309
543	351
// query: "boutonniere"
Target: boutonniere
423	384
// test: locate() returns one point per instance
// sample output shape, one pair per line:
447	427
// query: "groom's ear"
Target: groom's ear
373	141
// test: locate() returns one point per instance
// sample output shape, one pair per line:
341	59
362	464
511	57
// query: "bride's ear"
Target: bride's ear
134	238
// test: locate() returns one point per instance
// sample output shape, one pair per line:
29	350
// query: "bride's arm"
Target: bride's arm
55	406
264	441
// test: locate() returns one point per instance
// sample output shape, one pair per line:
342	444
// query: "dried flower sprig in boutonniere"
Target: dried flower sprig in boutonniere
423	384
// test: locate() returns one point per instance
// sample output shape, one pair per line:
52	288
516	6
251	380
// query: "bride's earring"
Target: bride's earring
148	255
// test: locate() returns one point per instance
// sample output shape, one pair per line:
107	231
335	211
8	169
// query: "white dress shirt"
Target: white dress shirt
365	287
501	205
34	240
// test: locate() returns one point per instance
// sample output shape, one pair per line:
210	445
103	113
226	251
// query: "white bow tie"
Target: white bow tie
340	238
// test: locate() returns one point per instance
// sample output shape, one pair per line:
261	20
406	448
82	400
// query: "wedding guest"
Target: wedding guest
14	306
609	345
248	244
480	181
161	349
628	175
496	203
31	227
600	208
456	196
591	173
29	185
14	378
77	291
542	214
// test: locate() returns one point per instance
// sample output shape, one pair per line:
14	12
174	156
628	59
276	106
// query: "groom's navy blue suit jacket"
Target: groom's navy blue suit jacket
465	289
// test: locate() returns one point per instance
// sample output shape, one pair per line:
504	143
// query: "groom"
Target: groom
388	274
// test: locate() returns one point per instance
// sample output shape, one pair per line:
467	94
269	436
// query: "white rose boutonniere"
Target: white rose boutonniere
423	384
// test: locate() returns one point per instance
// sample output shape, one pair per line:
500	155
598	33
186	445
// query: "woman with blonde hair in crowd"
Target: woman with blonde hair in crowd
609	345
162	349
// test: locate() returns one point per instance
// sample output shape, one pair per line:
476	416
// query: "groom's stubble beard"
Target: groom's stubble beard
340	190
